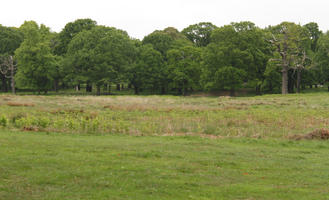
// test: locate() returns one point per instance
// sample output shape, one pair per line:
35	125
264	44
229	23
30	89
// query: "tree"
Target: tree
10	40
34	58
160	41
184	67
290	41
322	58
100	55
146	73
239	45
314	33
199	33
70	30
7	69
163	41
229	78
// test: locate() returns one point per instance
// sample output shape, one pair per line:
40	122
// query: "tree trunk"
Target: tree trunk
109	87
285	80
4	87
232	92
129	86
316	85
285	66
136	89
122	86
258	90
56	85
77	87
311	86
299	78
118	87
98	90
163	90
180	91
12	75
89	88
184	91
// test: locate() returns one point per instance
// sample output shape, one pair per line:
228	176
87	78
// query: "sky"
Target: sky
141	17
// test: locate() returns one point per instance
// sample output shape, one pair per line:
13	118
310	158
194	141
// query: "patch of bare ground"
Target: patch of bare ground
194	134
319	134
16	104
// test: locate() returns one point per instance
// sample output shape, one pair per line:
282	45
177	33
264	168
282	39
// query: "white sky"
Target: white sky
141	17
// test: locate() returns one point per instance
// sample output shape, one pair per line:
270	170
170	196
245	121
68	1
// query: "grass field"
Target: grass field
262	116
163	147
57	166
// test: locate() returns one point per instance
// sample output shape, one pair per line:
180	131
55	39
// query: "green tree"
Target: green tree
229	78
314	33
34	58
163	41
160	40
10	40
322	58
184	68
100	55
291	43
147	72
70	30
199	33
239	45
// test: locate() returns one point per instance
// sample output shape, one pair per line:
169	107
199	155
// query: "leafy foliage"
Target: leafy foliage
100	55
34	58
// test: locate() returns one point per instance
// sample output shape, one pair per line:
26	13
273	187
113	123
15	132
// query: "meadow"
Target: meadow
273	116
163	147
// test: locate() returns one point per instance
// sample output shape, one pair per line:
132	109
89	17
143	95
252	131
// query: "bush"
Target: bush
3	121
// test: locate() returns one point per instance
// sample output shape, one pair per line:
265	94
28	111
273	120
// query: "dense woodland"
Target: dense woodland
285	58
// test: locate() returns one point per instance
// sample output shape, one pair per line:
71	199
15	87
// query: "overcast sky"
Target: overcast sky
141	17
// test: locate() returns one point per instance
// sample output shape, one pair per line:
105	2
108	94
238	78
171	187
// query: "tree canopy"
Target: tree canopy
202	57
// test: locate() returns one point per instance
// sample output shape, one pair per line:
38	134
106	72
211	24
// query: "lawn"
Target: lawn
163	147
62	166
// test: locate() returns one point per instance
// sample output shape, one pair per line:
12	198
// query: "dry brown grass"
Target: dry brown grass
16	104
319	134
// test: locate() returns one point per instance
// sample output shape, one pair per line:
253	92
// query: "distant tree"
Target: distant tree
100	55
291	43
199	33
314	34
322	58
34	58
147	72
161	41
164	41
174	33
70	30
184	68
239	45
229	78
10	40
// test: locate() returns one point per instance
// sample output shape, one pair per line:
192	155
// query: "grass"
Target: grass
163	147
268	116
57	166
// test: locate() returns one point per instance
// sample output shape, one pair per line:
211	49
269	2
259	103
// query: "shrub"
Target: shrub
3	121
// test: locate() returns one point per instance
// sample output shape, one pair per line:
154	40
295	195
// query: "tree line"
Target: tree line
284	58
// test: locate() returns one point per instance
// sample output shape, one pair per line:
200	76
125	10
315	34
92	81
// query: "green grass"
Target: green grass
163	147
58	166
268	116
